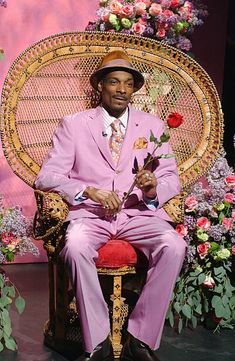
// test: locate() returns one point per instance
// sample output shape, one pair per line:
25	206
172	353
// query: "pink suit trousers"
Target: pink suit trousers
165	250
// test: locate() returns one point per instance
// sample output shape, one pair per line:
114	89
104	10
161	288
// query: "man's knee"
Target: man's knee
77	247
173	245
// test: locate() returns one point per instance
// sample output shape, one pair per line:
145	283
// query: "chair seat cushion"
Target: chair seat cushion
116	253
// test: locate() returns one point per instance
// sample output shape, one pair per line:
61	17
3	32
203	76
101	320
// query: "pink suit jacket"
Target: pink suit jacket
80	157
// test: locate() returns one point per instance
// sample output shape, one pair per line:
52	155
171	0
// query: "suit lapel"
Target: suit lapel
96	126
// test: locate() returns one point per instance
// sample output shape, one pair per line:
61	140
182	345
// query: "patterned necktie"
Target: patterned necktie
116	140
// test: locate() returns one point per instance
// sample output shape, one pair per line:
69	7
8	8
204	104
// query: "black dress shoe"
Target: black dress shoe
102	352
135	350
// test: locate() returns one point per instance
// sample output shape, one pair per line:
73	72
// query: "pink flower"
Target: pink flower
233	249
146	2
115	7
174	3
209	282
191	202
203	249
155	9
138	28
203	223
7	238
168	13
161	32
181	229
233	214
188	6
127	11
227	222
105	15
140	8
230	180
229	197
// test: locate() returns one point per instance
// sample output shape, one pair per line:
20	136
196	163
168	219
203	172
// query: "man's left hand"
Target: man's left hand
147	182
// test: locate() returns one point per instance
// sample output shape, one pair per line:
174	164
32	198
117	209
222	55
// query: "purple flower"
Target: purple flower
3	3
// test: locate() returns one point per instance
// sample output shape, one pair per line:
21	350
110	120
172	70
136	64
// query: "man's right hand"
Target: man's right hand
108	199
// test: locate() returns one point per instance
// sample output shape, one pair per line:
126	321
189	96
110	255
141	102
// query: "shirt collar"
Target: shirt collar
108	119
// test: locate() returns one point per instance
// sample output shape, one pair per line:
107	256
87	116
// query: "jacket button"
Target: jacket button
117	171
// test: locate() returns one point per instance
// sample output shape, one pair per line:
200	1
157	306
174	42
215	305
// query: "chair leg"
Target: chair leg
120	312
62	283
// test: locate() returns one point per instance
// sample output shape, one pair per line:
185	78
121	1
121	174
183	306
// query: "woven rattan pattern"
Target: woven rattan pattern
51	79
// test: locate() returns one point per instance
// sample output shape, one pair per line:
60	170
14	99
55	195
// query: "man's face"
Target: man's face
116	89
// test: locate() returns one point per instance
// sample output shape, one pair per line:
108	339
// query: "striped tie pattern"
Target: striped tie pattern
116	140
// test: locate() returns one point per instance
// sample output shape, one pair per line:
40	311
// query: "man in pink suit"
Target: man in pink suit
84	166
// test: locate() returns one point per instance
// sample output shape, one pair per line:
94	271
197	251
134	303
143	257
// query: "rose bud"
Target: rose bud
174	120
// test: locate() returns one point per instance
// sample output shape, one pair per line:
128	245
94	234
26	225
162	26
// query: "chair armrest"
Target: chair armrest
49	218
175	207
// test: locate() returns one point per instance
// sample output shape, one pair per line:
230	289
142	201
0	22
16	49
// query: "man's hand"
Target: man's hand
107	199
147	182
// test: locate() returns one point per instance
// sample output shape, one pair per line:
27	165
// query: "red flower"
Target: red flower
209	282
230	180
203	249
174	120
181	229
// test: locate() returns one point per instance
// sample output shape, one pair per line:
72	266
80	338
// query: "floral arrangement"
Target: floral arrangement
171	21
14	240
204	291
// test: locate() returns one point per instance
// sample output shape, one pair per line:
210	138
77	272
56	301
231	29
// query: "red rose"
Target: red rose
230	180
174	120
203	249
181	229
204	223
209	282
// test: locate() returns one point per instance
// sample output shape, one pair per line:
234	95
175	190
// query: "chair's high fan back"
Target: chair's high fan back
51	79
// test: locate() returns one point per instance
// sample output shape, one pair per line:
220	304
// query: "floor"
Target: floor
32	281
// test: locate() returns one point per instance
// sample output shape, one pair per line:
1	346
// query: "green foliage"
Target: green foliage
8	295
193	303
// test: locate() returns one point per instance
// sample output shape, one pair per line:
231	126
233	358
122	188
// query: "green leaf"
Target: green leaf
225	300
216	301
180	325
214	246
7	329
219	271
201	278
190	301
199	309
232	302
9	291
5	319
152	137
190	289
186	309
164	137
194	321
1	347
177	307
10	343
20	304
171	319
206	305
218	289
4	301
1	281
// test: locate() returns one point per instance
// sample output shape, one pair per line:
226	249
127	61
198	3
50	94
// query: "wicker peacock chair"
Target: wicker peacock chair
51	79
